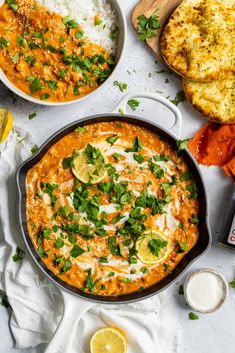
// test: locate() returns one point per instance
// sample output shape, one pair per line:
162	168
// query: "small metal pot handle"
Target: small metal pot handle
175	129
63	337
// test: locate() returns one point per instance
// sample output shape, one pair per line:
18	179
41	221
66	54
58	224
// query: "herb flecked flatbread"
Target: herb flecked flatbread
215	100
199	40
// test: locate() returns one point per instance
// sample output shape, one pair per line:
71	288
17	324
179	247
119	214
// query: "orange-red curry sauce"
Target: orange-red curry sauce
79	230
46	55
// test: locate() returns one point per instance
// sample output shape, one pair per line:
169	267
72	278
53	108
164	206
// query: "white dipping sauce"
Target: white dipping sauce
205	291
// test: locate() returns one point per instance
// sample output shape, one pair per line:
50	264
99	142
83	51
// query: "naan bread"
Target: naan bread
199	40
215	99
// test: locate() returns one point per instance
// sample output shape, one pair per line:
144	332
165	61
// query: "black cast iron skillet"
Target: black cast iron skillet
198	250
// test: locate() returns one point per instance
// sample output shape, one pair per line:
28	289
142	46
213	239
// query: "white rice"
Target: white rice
84	11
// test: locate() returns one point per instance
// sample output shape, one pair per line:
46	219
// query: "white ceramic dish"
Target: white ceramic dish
223	297
119	54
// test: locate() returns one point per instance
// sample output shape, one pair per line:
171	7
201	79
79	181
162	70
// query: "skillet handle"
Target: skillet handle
175	129
62	339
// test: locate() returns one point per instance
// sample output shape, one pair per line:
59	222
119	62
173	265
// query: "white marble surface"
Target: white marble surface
211	333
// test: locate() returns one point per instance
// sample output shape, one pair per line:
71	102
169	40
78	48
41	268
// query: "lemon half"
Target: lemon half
144	252
6	121
86	172
108	340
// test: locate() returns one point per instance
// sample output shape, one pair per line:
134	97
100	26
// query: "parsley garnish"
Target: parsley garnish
193	316
13	5
32	115
90	284
232	283
4	43
133	103
155	246
19	255
80	129
34	149
146	27
52	84
180	97
69	23
35	85
181	145
112	139
139	158
66	163
112	243
67	266
192	189
137	145
121	85
185	176
76	251
181	290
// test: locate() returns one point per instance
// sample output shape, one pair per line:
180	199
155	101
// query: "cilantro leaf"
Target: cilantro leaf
155	246
121	85
19	255
232	283
76	251
112	139
193	316
133	103
146	27
180	97
137	145
181	145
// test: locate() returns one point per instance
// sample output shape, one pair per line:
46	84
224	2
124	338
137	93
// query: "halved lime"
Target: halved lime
153	247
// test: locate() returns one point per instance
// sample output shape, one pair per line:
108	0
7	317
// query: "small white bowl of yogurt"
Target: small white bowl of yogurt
205	290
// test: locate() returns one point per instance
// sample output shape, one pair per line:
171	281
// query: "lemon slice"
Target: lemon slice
6	121
154	240
108	340
89	165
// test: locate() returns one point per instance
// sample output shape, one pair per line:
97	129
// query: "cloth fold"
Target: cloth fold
37	304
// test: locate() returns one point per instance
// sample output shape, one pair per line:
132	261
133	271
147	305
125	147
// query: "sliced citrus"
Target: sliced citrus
153	247
108	340
89	165
6	121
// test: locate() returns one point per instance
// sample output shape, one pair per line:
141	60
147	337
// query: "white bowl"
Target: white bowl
118	56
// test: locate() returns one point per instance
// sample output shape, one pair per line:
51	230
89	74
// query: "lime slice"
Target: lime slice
108	340
6	121
153	247
89	165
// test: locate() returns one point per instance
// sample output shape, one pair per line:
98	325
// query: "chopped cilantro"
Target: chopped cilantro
80	129
52	84
137	145
112	243
146	27
36	85
194	220
180	97
121	85
76	251
112	139
185	176
192	189
133	103
4	301
103	259
181	145
45	96
139	158
155	246
67	266
34	149
181	290
126	280
193	316
232	283
4	42
69	23
59	243
144	270
32	115
19	255
66	162
13	5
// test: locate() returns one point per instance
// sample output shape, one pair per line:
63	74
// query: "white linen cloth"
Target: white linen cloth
151	324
